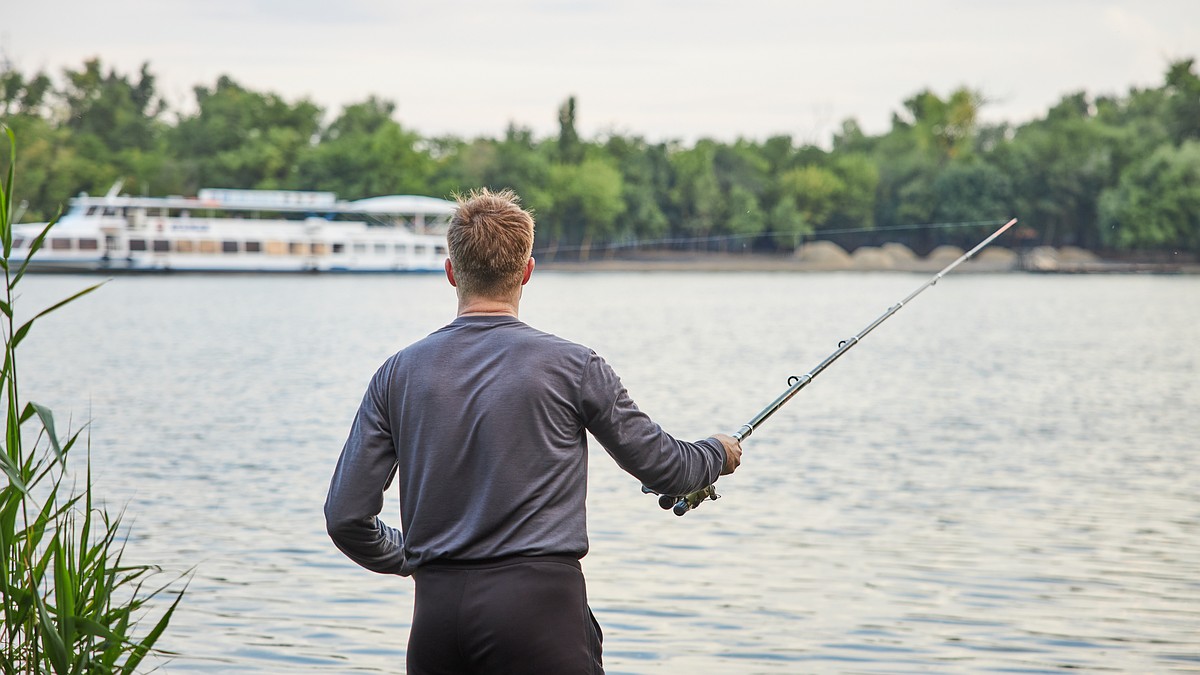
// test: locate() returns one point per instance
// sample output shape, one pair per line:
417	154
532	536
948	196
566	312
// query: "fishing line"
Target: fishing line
728	238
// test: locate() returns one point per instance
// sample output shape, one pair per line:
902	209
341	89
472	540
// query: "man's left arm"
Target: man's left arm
364	471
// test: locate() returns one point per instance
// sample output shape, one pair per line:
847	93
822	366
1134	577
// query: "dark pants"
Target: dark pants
516	616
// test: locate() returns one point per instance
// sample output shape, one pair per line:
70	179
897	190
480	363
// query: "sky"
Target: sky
660	69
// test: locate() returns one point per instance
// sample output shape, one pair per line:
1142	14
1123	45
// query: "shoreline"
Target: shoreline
671	261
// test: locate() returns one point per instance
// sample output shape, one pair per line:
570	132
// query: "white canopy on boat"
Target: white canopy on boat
404	204
278	201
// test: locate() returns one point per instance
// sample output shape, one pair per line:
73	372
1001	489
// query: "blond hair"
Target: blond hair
490	240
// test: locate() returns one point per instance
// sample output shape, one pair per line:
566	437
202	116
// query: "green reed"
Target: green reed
70	604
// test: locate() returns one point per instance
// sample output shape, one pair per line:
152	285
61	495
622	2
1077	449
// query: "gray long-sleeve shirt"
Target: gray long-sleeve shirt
482	426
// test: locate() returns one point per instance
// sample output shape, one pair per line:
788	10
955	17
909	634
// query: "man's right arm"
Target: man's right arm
364	470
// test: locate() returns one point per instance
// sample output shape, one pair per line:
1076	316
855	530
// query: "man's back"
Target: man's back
487	419
492	457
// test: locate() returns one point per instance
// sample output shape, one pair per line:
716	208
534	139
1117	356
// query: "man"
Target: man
483	426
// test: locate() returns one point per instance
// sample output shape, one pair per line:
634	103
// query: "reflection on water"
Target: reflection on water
1003	477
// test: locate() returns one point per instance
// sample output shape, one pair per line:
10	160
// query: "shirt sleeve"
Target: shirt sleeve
639	445
364	471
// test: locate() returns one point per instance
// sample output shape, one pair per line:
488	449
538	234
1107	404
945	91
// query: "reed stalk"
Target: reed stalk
70	604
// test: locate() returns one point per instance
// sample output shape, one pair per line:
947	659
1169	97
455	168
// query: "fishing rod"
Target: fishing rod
681	504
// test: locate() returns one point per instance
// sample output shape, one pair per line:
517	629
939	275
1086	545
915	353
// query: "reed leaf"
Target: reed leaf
34	246
13	473
6	195
25	327
57	652
147	644
65	581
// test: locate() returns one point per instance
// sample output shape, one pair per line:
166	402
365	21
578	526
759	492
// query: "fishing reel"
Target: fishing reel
681	504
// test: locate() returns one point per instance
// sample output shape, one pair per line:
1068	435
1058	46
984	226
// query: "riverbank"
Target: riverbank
823	256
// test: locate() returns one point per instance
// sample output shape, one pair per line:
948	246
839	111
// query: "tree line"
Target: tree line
1113	172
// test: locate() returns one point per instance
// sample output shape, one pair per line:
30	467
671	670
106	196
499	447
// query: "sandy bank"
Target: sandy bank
824	256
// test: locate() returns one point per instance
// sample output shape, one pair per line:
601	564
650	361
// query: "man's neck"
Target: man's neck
487	307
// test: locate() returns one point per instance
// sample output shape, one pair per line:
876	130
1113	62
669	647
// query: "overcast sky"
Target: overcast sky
662	69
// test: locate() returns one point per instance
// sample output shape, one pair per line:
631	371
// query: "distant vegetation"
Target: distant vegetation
1118	173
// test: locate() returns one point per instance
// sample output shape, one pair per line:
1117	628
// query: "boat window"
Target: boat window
89	244
18	242
420	249
402	249
339	248
60	244
162	245
298	248
276	248
360	248
110	211
91	211
185	246
229	247
439	250
253	247
137	244
381	249
208	246
319	248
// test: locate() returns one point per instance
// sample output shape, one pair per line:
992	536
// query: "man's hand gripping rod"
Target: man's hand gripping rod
682	504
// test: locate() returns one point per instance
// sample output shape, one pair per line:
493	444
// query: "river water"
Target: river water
1004	477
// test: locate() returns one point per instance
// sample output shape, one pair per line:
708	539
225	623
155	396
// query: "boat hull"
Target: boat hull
241	231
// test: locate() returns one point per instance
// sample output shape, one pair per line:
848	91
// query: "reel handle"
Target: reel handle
692	500
679	505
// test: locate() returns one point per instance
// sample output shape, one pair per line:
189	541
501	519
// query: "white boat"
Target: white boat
223	230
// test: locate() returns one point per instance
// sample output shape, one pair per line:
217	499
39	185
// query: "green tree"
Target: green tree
118	112
114	130
787	223
242	139
854	206
942	128
1156	204
587	202
740	165
570	149
815	191
459	165
646	177
365	152
851	139
1182	101
20	96
1059	166
696	193
523	164
973	190
927	135
746	217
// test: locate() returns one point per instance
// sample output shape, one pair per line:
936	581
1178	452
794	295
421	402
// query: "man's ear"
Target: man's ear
528	271
450	273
